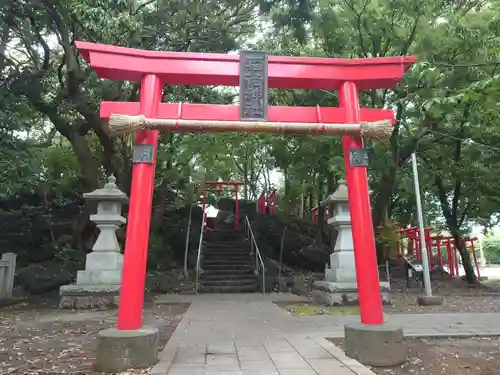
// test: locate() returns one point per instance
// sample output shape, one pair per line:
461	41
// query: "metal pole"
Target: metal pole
423	248
481	251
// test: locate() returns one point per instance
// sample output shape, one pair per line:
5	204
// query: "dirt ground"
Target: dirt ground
447	356
457	296
37	338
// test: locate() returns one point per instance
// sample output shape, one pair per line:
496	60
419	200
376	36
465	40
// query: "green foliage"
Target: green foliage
64	254
52	140
387	238
491	248
159	253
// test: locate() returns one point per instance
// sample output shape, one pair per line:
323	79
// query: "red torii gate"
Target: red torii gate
153	69
219	184
266	203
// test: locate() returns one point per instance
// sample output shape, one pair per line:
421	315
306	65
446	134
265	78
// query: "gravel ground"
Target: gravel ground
41	340
457	296
447	356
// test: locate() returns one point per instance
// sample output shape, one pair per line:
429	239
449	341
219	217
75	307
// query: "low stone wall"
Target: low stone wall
7	272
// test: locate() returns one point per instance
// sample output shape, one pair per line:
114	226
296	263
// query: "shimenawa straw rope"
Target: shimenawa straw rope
124	124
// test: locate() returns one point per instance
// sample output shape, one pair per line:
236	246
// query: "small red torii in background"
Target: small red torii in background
326	214
220	185
412	237
266	203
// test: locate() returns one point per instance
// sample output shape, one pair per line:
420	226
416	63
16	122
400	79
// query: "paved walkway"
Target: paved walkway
249	334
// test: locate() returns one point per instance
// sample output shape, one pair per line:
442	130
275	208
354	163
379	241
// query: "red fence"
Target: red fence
326	214
409	243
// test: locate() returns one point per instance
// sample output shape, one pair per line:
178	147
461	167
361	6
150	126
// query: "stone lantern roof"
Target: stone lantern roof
340	195
110	192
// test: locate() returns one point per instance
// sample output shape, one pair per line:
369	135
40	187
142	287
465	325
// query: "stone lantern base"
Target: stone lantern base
89	296
97	286
334	293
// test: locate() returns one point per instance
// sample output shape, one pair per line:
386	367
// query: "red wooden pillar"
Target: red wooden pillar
139	214
370	301
438	246
411	243
262	203
428	246
236	208
418	250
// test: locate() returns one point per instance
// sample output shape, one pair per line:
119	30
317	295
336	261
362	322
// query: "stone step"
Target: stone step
228	276
229	259
225	233
223	254
233	283
229	289
229	250
225	272
224	266
225	244
224	239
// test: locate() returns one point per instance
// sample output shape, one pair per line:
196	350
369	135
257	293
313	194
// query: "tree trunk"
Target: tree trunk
90	181
320	213
470	275
311	201
281	250
186	248
383	197
287	182
302	205
245	180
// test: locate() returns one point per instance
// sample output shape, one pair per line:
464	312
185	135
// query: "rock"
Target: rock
299	237
300	286
47	276
163	282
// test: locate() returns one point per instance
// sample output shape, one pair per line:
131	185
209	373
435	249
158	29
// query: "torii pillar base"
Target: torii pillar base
377	345
120	350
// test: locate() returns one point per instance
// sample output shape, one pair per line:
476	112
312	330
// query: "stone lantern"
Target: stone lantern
340	285
98	285
342	267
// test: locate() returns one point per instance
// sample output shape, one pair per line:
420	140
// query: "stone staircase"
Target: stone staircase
226	263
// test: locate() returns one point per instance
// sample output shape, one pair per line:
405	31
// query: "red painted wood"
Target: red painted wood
365	255
220	112
139	217
177	68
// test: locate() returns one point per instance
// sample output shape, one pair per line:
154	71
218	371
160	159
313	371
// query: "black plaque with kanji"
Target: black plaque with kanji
253	86
143	153
359	157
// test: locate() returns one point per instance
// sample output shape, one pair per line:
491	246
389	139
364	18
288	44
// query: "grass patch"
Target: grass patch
307	309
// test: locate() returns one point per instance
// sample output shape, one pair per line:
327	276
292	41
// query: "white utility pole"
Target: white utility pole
423	248
481	250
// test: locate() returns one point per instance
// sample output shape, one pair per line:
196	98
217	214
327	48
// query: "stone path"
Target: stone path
249	334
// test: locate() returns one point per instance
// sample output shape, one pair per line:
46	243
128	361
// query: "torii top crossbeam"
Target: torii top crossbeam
178	68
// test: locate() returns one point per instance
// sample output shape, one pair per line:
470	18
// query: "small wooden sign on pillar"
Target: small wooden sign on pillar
253	86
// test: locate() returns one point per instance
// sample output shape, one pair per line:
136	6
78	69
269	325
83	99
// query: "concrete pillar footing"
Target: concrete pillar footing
120	350
429	300
380	345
